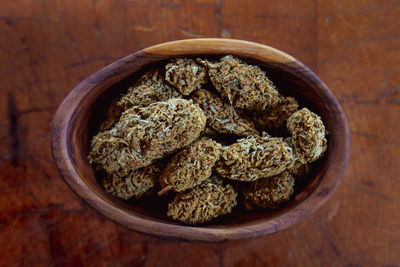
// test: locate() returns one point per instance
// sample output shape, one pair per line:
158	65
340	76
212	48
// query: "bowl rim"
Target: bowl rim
71	176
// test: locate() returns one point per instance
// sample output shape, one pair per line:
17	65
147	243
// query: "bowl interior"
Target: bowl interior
155	207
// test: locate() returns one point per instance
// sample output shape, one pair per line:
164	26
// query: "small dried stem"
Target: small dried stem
164	190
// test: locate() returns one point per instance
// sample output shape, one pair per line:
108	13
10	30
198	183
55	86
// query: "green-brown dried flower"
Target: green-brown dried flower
203	203
298	170
242	85
269	192
150	88
190	166
221	116
275	117
254	157
145	134
111	151
185	75
135	184
308	135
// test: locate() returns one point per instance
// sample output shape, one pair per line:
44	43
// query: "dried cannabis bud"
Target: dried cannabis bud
135	184
150	88
222	117
191	166
203	203
275	117
298	170
145	134
254	157
270	192
308	134
162	127
110	150
185	75
244	86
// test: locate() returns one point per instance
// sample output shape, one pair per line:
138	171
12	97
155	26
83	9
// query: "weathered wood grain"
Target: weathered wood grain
48	47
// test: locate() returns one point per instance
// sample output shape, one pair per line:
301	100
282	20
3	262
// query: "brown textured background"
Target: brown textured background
48	46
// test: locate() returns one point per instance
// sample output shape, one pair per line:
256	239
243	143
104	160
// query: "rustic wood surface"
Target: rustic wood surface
47	47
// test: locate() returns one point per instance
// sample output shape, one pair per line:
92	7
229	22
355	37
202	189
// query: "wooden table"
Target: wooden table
47	47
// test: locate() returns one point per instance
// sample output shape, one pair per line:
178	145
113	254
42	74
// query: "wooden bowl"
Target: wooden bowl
78	118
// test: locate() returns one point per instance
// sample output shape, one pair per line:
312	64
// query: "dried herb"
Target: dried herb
221	116
185	75
135	184
145	134
308	135
150	88
190	166
203	203
254	157
242	85
298	170
276	116
269	193
111	151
